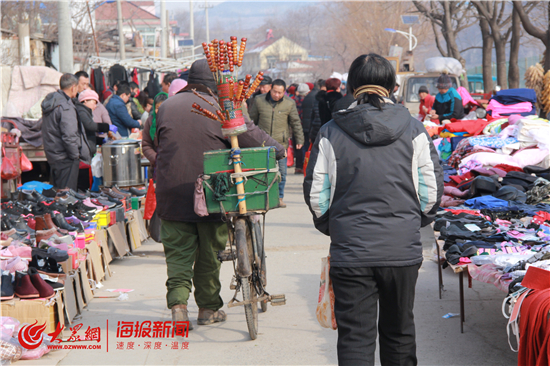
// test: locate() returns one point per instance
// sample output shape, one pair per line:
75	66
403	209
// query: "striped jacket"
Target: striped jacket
372	181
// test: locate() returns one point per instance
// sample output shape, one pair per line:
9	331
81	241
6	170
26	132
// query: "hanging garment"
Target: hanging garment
117	72
153	85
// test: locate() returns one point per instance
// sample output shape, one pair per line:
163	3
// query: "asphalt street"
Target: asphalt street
289	334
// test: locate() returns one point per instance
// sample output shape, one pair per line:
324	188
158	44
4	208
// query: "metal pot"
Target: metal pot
122	163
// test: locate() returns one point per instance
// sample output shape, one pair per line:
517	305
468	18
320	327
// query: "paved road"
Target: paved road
289	334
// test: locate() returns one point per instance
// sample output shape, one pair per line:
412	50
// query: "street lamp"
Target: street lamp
409	36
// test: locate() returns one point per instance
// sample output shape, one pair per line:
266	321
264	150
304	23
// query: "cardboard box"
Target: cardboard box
30	311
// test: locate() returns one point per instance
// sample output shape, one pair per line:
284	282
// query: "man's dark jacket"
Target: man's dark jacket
322	111
307	110
183	137
62	134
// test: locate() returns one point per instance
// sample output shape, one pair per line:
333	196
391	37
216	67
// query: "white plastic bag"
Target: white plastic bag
97	166
443	64
325	306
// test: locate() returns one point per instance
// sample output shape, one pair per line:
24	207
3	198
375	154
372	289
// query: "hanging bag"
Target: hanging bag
306	159
9	171
290	154
26	165
150	201
325	306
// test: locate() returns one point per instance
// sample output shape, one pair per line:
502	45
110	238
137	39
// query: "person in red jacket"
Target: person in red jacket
426	101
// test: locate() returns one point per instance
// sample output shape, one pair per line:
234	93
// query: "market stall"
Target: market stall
494	222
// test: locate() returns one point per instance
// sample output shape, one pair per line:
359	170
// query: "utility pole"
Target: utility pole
121	48
163	25
206	7
23	32
192	28
65	31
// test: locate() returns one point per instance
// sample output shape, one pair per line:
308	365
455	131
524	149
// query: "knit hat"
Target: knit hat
87	95
176	86
311	86
266	81
200	73
303	88
291	90
423	89
444	82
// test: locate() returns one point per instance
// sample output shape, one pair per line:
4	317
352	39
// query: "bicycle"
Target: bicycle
247	253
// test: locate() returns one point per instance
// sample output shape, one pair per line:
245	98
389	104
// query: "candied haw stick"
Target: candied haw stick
241	51
235	51
231	89
245	86
205	112
239	91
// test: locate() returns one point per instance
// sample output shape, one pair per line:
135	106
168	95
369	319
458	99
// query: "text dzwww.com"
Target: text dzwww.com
75	346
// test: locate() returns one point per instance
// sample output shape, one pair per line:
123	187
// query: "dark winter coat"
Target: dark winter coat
62	134
372	181
85	116
307	110
182	138
322	111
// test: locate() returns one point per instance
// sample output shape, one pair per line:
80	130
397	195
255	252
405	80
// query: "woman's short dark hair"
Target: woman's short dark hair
371	69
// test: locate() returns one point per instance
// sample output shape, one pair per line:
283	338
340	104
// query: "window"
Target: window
294	58
413	84
271	61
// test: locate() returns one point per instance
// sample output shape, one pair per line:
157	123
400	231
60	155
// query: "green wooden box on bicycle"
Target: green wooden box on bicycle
261	178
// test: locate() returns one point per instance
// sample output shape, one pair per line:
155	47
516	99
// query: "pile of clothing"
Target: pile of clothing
495	212
513	101
39	231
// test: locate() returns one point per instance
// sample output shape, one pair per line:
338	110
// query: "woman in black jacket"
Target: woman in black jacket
373	179
87	102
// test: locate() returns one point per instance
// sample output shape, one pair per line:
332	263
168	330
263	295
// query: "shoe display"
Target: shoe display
44	290
45	234
23	287
48	266
121	192
60	221
7	286
14	264
13	251
138	192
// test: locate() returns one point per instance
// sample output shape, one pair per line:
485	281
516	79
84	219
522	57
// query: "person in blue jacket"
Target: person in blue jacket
119	113
448	103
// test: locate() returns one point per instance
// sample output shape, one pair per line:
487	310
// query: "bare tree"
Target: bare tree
513	68
487	55
541	33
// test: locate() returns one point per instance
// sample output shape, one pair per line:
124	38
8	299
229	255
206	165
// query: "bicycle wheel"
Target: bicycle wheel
250	310
247	285
263	269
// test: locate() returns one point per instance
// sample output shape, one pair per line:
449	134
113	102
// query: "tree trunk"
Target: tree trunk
500	48
487	56
513	69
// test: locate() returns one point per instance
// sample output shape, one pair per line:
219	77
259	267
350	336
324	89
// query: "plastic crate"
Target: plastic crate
256	186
